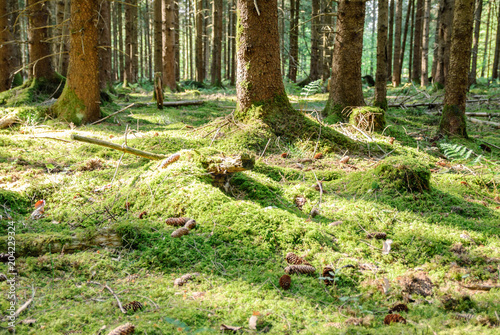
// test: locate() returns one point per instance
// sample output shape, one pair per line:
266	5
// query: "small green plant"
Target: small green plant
457	151
311	88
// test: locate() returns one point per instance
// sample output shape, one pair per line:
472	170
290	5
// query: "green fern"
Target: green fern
311	88
457	151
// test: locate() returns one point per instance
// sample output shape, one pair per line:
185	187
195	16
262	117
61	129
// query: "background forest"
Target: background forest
249	166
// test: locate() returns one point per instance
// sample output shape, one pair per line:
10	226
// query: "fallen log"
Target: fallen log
434	104
489	123
113	114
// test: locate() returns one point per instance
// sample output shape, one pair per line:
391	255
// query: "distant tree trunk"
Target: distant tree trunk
435	49
216	72
453	118
417	41
177	44
206	39
412	28
381	76
121	56
294	40
373	42
405	34
486	41
79	102
104	45
424	76
39	47
329	28
200	71
168	45
475	41
5	48
131	61
233	42
315	65
444	38
396	74
496	59
345	84
190	37
149	65
390	40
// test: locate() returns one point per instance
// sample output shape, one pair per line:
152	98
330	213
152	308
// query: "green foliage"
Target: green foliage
457	151
312	88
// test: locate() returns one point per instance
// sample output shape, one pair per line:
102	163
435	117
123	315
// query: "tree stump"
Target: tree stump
368	118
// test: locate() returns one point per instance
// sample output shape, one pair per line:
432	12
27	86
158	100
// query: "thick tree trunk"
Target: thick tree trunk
315	65
104	25
200	69
417	45
475	41
381	76
217	43
168	45
79	102
453	118
345	84
424	76
39	47
396	74
390	40
294	40
496	58
445	30
5	49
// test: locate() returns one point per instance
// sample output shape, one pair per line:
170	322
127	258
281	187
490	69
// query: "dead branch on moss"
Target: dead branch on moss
488	123
112	292
113	114
170	103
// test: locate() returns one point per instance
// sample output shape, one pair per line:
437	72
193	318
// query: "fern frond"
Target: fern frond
457	151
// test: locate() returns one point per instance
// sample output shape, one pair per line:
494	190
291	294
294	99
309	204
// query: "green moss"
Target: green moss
368	118
14	201
404	173
69	107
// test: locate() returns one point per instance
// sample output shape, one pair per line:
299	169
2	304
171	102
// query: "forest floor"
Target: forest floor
444	262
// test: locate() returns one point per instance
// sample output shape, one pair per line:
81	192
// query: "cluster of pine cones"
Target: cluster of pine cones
296	265
187	224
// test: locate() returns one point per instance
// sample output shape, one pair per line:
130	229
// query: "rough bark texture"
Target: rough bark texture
39	47
486	40
315	65
417	46
328	33
217	43
396	73
104	27
233	42
177	45
121	56
200	70
424	76
381	75
475	41
444	40
168	44
15	32
345	84
79	102
131	57
496	58
294	40
157	37
405	35
5	49
390	40
453	119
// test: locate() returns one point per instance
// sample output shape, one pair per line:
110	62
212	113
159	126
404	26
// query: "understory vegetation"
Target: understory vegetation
436	198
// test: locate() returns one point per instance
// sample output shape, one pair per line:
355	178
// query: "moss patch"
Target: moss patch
69	107
368	118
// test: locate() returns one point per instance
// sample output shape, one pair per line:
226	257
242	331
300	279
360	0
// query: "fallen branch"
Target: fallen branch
51	138
434	104
124	148
480	287
489	123
112	292
113	114
171	103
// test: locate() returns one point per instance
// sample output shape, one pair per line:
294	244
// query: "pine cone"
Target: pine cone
185	278
169	160
314	212
299	269
377	235
190	224
390	318
176	221
125	329
319	155
293	259
299	201
179	232
284	155
326	274
133	305
285	282
398	308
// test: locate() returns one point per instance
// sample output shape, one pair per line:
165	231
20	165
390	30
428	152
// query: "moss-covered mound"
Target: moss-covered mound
14	201
368	118
34	90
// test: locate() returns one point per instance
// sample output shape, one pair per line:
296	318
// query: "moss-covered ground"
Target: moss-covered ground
447	230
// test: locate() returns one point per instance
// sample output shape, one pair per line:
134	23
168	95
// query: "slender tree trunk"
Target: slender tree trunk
39	47
435	49
114	17
417	47
168	44
206	39
79	102
233	43
294	40
475	41
149	65
177	41
373	42
315	68
15	33
496	59
405	35
190	37
381	75
5	48
412	29
453	118
329	27
200	73
486	41
216	72
396	74
121	47
424	76
104	25
131	61
158	36
390	40
445	31
345	84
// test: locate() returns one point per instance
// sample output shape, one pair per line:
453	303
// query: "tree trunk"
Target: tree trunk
233	42
396	74
445	30
405	35
39	47
390	40
104	25
435	49
315	65
412	28
177	46
121	56
168	45
453	118
373	45
158	38
200	71
417	41
114	18
486	40
496	59
216	72
424	76
206	39
345	84
381	75
294	40
328	33
5	49
79	102
15	32
131	47
149	50
475	41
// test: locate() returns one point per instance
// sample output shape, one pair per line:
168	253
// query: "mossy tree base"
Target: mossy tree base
368	118
453	121
34	90
70	107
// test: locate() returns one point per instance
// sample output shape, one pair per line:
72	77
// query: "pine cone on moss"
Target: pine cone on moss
285	282
169	160
326	274
293	259
176	221
185	278
398	308
377	235
125	329
180	232
190	224
133	305
300	201
299	269
390	318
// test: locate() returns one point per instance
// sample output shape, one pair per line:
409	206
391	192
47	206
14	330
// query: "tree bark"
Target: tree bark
424	76
5	48
405	35
445	31
328	33
453	118
294	40
396	74
200	71
104	25
486	41
412	29
381	75
38	45
16	59
131	47
177	45
475	41
216	72
233	42
315	65
345	84
168	45
79	102
390	40
417	40
121	56
496	58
